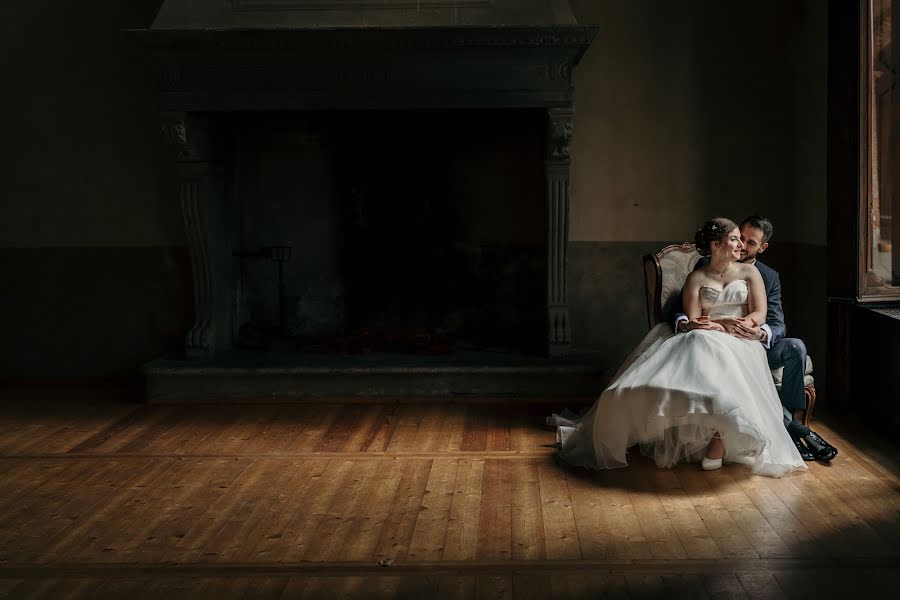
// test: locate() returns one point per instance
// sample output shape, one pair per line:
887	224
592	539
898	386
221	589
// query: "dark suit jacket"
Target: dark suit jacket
774	312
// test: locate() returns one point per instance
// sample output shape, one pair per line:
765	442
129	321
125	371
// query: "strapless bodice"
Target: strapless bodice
731	301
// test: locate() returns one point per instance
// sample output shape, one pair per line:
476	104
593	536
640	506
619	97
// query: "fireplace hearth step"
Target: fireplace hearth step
272	376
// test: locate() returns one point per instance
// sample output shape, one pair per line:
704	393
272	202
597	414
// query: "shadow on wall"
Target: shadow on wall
802	270
96	278
76	313
607	296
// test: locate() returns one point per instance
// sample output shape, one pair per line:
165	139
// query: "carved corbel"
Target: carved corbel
200	189
561	125
188	135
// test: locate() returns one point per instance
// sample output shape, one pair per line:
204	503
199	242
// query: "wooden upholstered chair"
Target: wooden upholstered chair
665	273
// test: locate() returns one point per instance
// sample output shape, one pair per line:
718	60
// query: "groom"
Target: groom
789	353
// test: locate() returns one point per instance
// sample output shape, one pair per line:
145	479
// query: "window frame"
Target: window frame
871	287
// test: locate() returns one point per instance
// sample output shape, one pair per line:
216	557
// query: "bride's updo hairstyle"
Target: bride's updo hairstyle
715	230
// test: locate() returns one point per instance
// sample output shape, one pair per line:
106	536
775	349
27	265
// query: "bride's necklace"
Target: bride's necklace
722	274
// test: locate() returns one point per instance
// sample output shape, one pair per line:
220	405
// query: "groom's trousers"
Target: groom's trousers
790	353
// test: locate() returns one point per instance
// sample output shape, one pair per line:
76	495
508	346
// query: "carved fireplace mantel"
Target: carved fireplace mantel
218	57
437	67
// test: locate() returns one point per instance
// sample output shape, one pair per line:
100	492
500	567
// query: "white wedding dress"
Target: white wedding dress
675	391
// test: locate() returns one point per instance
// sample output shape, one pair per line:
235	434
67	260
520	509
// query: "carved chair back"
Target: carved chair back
664	275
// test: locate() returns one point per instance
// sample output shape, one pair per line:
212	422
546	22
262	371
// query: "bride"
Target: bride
704	395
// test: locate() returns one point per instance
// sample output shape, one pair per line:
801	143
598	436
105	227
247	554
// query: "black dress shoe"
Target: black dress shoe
805	453
819	447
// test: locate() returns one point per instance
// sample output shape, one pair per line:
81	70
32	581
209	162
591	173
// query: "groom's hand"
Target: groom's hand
731	324
744	328
748	333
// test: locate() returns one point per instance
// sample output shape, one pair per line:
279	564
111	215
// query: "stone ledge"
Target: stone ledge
245	375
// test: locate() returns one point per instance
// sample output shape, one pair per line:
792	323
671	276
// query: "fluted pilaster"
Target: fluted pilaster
560	122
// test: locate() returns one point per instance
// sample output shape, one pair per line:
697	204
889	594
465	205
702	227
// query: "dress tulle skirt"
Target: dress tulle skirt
670	397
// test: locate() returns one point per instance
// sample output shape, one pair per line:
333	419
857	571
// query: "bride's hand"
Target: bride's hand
703	323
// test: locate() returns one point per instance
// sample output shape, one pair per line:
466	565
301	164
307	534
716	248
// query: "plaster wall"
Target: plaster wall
84	162
692	109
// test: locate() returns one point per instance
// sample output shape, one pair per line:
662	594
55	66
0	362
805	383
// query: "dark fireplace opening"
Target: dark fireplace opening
409	231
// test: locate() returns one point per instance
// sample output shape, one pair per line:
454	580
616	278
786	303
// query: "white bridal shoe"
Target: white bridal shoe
711	464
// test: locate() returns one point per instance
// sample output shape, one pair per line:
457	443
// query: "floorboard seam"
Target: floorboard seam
82	569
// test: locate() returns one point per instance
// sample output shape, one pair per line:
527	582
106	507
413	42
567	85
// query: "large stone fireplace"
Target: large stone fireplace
359	176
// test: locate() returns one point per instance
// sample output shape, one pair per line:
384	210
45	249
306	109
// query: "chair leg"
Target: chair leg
810	402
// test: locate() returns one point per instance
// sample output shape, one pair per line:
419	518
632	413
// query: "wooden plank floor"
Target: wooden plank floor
102	499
